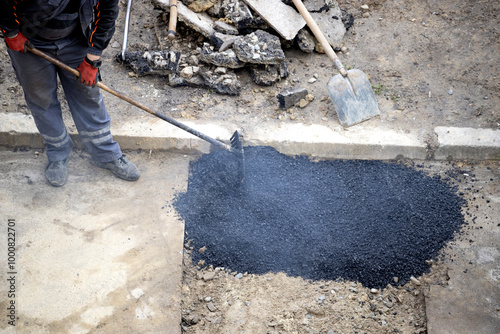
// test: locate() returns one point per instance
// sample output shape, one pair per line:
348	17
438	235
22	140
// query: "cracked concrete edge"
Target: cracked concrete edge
294	139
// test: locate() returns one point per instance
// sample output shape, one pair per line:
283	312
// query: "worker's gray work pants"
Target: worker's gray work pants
38	78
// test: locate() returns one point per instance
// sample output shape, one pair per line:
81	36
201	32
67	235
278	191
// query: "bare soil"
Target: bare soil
431	63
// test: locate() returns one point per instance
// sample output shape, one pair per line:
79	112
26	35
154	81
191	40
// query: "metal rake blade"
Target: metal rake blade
238	148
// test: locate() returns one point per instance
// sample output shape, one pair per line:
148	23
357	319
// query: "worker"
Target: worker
75	32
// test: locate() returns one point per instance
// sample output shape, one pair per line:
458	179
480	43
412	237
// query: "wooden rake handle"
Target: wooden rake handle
320	37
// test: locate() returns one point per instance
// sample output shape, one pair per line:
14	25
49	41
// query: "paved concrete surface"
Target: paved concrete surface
100	254
469	302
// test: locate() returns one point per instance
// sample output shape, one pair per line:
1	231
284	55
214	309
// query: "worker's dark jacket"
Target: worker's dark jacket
50	20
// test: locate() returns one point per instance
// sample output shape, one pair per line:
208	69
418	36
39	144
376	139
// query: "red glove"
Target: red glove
17	43
88	74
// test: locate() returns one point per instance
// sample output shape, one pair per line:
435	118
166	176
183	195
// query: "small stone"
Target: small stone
303	103
239	276
396	279
344	49
414	280
137	293
195	319
209	275
450	92
202	250
366	15
365	7
374	291
309	97
306	41
187	72
221	70
208	299
211	307
115	45
316	75
319	48
193	60
312	80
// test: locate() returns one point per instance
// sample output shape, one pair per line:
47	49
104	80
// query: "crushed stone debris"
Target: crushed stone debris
367	221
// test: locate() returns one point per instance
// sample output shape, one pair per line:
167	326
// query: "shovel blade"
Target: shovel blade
353	97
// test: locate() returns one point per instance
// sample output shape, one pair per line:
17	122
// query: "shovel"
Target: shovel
351	92
236	147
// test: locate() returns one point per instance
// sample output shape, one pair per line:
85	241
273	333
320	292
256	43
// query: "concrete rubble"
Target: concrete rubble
290	96
259	47
152	62
268	75
281	17
238	34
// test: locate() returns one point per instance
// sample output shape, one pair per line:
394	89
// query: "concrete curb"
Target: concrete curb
293	139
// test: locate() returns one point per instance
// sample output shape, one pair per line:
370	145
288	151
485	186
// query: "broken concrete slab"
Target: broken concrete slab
259	47
282	18
267	75
225	84
152	62
319	5
239	13
288	97
200	22
225	28
228	43
226	58
217	40
331	25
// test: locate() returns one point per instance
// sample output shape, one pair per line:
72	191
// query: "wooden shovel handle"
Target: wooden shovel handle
320	37
172	22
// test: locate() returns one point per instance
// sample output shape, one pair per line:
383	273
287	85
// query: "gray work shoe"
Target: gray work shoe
56	172
121	167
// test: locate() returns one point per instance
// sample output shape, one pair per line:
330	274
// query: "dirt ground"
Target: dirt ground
431	63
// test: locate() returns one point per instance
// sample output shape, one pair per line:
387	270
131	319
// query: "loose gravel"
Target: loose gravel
367	221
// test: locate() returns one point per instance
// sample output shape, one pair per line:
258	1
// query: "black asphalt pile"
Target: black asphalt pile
367	221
